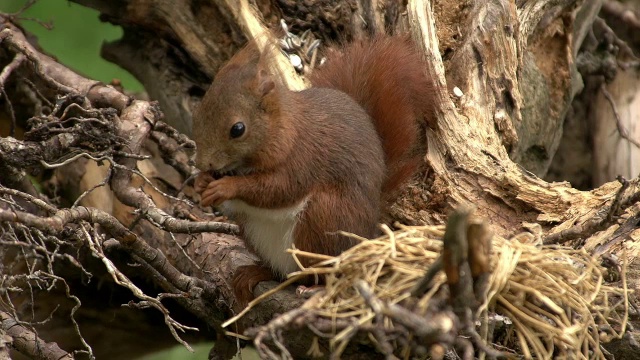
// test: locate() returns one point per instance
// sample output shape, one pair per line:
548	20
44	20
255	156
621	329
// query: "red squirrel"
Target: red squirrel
295	167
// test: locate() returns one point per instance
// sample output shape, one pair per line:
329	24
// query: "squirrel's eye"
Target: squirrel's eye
237	130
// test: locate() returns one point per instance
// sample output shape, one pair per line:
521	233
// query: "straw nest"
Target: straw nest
542	302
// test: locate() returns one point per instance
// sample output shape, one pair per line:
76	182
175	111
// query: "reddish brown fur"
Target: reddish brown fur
317	144
386	76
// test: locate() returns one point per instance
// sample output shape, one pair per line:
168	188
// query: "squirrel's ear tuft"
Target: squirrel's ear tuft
265	83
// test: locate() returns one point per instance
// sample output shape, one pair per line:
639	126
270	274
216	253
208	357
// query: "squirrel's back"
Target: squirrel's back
340	144
387	77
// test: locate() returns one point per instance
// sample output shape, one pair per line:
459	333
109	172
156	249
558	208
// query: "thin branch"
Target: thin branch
18	15
624	133
122	280
437	329
271	333
55	224
75	308
32	199
17	45
617	201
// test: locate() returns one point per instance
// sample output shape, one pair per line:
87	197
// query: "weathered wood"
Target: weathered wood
616	134
514	62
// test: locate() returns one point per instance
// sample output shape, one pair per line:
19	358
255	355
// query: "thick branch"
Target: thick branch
479	127
28	343
213	257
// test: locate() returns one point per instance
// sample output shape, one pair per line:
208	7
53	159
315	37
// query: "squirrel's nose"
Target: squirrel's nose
212	162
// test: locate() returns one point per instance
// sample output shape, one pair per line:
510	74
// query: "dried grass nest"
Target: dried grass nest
552	301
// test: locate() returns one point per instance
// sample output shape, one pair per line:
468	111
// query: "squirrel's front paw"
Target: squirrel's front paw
202	181
219	191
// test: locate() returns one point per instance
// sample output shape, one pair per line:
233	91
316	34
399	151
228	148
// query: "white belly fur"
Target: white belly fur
270	231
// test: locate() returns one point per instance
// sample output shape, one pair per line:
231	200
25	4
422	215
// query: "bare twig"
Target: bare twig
75	308
437	329
617	201
41	203
10	37
170	147
124	281
624	133
18	15
56	223
4	75
272	332
89	190
8	69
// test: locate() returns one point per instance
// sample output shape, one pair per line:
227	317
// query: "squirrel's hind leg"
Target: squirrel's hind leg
245	280
326	214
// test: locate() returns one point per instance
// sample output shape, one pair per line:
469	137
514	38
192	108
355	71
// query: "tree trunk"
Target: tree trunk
513	76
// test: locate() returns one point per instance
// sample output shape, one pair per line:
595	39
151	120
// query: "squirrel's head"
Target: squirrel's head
232	123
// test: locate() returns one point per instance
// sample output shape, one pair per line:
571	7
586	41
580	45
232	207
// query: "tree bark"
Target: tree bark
508	76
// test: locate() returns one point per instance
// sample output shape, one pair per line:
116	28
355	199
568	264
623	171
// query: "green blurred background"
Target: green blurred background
75	41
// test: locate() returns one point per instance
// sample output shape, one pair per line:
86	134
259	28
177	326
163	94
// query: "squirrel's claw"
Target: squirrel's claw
219	191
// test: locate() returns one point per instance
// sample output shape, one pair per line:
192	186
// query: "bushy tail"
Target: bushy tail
387	77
